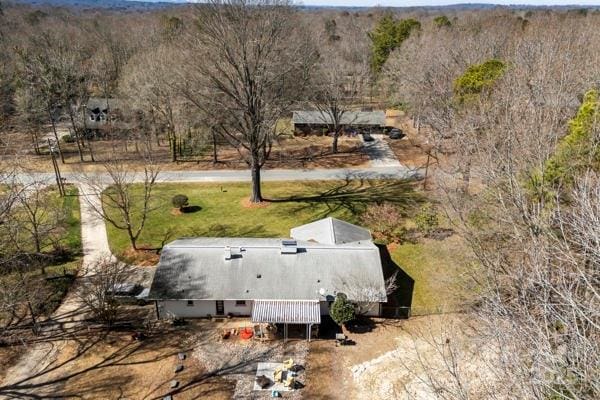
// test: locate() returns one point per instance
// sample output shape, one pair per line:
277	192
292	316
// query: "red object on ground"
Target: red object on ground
246	333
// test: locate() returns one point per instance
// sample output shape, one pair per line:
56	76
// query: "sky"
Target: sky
409	3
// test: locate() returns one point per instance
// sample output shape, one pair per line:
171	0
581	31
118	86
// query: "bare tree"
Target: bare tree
124	197
99	291
364	291
248	61
338	84
39	215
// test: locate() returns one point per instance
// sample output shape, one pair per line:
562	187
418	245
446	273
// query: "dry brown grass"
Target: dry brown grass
115	366
294	152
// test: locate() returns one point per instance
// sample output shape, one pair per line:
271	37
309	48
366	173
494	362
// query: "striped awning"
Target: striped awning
287	311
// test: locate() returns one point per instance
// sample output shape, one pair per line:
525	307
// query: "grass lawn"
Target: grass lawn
222	209
439	270
437	267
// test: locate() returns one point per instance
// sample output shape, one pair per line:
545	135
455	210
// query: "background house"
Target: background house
319	122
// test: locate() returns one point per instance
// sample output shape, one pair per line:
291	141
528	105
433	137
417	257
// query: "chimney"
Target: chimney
227	253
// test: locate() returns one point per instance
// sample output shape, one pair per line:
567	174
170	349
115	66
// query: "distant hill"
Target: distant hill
157	4
125	5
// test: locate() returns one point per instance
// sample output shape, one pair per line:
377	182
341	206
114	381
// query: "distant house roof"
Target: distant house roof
330	231
102	104
370	118
271	269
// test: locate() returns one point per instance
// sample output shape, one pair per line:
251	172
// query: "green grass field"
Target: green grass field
440	270
221	210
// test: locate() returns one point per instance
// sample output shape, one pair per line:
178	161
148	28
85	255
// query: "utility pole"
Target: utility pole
59	181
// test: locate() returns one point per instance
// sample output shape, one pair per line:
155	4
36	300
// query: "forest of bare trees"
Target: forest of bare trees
507	99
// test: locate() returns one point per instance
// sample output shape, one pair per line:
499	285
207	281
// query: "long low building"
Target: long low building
319	121
277	280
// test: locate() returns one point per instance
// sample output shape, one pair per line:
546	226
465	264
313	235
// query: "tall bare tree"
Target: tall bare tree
338	85
247	62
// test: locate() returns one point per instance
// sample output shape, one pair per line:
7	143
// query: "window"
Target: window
240	303
190	303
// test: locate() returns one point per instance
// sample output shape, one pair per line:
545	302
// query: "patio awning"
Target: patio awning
286	311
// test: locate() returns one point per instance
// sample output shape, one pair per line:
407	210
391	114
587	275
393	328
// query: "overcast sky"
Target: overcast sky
407	3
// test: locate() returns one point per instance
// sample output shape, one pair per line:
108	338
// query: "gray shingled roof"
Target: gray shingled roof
357	118
98	104
330	231
197	269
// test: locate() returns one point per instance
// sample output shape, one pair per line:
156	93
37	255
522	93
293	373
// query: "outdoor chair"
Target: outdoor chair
289	382
278	374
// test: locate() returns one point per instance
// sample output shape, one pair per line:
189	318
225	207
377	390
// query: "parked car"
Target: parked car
396	134
129	293
367	137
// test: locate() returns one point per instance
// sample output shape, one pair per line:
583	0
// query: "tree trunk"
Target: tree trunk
256	192
91	151
36	146
132	240
77	138
62	158
334	146
466	177
214	139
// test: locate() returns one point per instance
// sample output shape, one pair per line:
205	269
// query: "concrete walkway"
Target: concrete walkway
42	356
380	153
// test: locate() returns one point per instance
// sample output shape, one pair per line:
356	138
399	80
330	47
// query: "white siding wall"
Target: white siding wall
242	311
202	308
179	308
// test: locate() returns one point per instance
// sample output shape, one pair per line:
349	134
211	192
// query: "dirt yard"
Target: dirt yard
410	150
388	362
288	152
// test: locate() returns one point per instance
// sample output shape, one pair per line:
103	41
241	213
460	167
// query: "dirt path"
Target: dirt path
41	356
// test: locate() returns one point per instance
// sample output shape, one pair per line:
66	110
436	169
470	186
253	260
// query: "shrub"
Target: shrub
68	139
180	201
427	219
477	79
441	21
385	222
342	310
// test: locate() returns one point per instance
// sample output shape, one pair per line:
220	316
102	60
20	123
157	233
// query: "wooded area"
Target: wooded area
505	102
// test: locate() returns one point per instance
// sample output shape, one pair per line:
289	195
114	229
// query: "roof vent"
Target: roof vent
233	252
289	247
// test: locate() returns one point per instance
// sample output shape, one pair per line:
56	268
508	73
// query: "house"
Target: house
273	280
100	111
319	121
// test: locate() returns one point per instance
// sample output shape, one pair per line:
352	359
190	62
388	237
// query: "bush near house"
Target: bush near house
342	310
427	219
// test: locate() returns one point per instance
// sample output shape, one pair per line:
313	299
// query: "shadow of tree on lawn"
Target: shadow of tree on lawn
353	194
